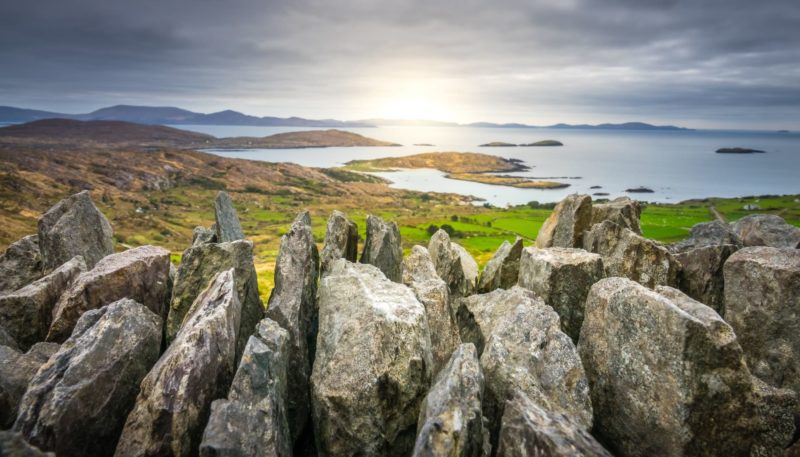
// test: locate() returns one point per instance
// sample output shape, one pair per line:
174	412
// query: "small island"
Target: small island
498	144
544	143
505	180
503	144
424	144
640	190
739	151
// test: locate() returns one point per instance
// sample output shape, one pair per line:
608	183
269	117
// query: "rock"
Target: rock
202	235
529	430
12	444
26	313
767	230
772	418
7	340
453	264
562	278
74	227
141	274
622	211
632	256
701	276
420	275
762	304
341	240
88	387
477	315
502	271
16	371
565	226
450	419
20	264
253	420
199	265
373	363
228	227
382	248
197	368
293	305
706	234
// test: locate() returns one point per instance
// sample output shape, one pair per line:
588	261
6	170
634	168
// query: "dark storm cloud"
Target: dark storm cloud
720	62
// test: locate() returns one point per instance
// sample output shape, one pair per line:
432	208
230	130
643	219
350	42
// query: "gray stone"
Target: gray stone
202	235
228	227
382	248
565	226
174	402
341	240
12	444
622	211
453	264
767	230
373	363
253	420
88	387
16	371
502	271
562	278
141	274
7	340
705	234
74	227
701	276
20	264
477	315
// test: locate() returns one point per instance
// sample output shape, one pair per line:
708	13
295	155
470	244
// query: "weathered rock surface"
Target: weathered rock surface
701	276
12	444
202	235
227	226
477	315
382	248
565	226
529	430
197	368
20	264
762	304
502	271
26	313
622	211
632	256
293	305
373	363
341	240
562	278
453	264
767	230
141	274
253	420
450	419
7	340
74	226
705	234
16	371
420	275
77	403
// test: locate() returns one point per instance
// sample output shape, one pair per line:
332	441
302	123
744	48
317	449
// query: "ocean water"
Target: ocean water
676	165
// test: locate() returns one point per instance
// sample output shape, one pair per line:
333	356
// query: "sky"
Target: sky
698	63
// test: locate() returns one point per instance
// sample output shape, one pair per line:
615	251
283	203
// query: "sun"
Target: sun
412	100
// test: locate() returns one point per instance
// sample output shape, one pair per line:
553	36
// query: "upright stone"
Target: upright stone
341	240
20	264
16	371
453	264
714	233
12	444
477	315
565	226
623	211
382	248
502	271
228	227
767	230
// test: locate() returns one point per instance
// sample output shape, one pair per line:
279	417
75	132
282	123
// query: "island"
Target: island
739	151
505	180
503	144
498	144
640	190
544	143
424	144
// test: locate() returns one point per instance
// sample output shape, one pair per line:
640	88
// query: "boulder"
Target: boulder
293	305
450	419
767	230
705	234
502	271
20	264
420	275
16	371
701	276
227	226
529	430
7	340
373	363
477	315
453	264
565	226
174	402
629	255
74	226
141	274
12	444
88	387
622	211
26	313
253	420
202	235
762	304
382	248
341	240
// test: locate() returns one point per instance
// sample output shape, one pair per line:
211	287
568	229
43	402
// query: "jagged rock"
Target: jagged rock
199	265
767	230
565	226
141	274
7	340
701	276
453	264
26	313
12	444
197	368
762	304
88	387
382	248
341	240
772	418
16	371
529	430
253	420
705	234
667	374
74	226
477	315
373	363
502	271
420	275
293	305
562	278
632	256
202	235
228	227
450	419
622	211
20	264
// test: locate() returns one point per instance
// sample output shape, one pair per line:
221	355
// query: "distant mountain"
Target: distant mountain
410	122
139	114
623	126
11	114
